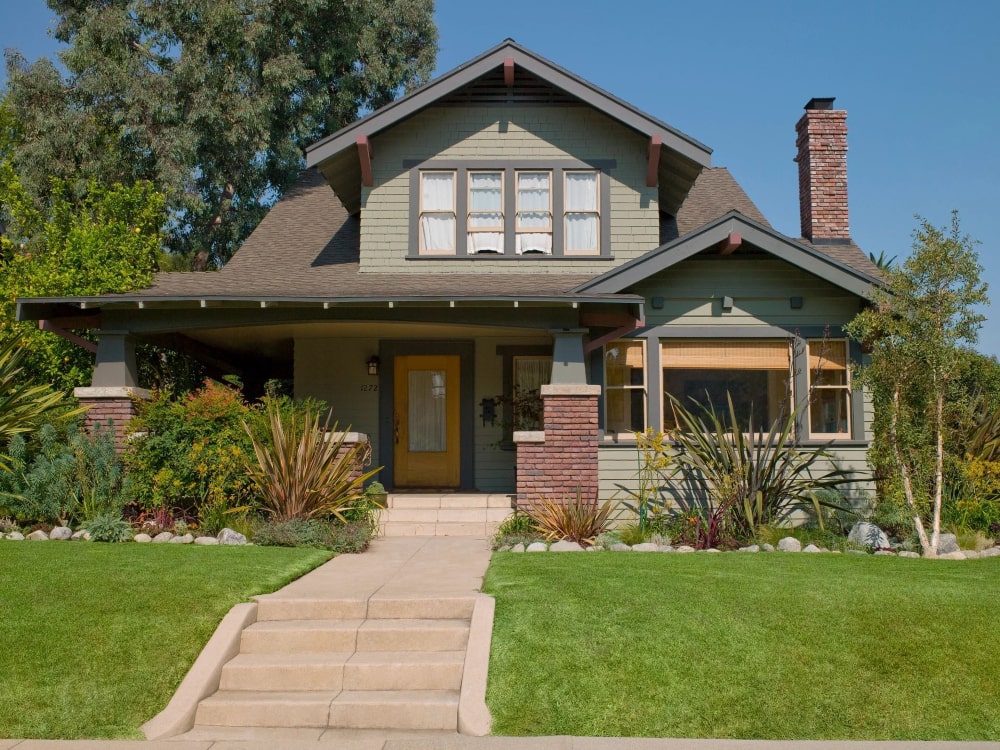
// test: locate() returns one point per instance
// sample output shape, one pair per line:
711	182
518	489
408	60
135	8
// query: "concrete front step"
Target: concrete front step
273	609
400	709
447	514
404	670
297	636
413	635
266	709
285	672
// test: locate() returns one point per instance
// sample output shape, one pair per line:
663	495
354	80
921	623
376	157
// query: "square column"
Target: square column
111	408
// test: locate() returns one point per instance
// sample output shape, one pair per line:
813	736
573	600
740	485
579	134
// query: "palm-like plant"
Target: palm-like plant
575	519
301	471
24	404
736	481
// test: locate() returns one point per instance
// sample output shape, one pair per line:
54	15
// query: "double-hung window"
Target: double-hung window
625	386
582	215
534	213
829	389
437	213
485	222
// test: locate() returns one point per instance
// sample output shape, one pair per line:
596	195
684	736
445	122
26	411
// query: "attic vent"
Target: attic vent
491	88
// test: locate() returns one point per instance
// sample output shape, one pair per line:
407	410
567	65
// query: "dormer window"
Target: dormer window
510	210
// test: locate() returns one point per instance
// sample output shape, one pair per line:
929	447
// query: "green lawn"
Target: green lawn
95	638
745	646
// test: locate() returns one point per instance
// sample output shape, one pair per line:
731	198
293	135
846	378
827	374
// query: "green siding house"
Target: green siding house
497	279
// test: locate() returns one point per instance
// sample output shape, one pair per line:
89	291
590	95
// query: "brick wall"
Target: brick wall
561	460
822	158
114	405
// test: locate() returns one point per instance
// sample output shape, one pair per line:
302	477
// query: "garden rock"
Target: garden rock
619	547
956	555
906	553
592	549
16	536
143	538
684	548
811	548
885	552
790	544
644	547
947	543
970	553
565	546
163	537
868	535
185	539
665	548
228	536
536	547
517	548
751	548
81	534
61	534
38	536
209	540
991	552
767	547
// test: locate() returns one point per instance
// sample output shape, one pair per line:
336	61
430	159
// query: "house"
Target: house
496	278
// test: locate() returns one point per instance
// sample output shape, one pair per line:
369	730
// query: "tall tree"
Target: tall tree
209	100
916	329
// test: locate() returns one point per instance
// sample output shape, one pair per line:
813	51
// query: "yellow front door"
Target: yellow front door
426	421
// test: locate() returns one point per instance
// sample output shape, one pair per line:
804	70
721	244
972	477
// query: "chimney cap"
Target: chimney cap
820	103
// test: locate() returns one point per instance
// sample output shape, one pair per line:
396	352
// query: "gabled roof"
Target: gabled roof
336	155
819	263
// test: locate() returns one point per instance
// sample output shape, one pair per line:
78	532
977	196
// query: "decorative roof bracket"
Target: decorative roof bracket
365	156
653	167
508	72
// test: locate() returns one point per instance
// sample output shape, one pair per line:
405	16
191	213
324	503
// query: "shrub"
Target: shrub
109	527
300	471
311	532
515	529
574	519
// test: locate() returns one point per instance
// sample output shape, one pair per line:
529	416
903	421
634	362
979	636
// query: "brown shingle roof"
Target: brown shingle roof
715	193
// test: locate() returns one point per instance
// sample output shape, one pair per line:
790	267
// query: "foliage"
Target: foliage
24	405
106	240
574	519
210	100
883	261
915	329
733	481
59	477
109	527
353	536
973	502
647	502
517	528
300	470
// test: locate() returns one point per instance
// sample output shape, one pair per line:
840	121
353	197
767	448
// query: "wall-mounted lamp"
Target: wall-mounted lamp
373	363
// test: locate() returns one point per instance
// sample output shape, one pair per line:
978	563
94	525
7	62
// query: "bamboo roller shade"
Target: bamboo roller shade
634	354
725	354
827	355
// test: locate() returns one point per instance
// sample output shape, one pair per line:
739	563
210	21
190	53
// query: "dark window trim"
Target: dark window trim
508	352
509	167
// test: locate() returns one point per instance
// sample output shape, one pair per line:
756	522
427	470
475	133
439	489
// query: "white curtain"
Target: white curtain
533	189
484	242
428	426
437	191
581	191
485	191
437	194
581	224
581	232
438	232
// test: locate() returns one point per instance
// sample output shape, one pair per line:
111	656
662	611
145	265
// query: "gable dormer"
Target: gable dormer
505	162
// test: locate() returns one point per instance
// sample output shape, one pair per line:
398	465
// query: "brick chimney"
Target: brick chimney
822	159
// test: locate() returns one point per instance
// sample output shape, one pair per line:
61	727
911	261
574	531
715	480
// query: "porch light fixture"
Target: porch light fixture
373	363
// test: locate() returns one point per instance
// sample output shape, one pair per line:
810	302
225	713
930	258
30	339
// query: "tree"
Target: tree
209	100
917	328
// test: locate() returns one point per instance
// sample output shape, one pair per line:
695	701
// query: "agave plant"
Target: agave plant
735	481
575	519
301	471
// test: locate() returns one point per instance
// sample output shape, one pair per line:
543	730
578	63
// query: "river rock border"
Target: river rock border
65	534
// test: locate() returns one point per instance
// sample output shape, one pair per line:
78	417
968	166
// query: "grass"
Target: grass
771	646
96	637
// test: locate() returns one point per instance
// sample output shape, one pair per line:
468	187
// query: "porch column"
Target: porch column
561	459
114	390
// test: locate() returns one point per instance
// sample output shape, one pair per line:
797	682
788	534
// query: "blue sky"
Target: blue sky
920	81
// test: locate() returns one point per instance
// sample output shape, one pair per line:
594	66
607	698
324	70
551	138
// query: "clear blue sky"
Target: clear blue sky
920	80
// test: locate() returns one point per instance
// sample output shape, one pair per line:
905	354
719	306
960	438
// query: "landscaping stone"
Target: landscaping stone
142	538
536	547
684	548
991	552
619	547
644	547
38	536
184	539
592	549
163	537
956	555
767	547
906	553
565	546
970	553
80	534
228	536
209	540
868	535
665	548
812	548
517	548
947	543
61	533
884	552
504	548
16	536
790	544
751	548
710	549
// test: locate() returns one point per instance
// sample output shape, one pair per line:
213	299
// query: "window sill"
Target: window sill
530	258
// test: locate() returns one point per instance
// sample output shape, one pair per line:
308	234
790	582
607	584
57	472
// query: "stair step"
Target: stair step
413	635
283	608
404	670
296	636
447	608
285	672
395	709
266	709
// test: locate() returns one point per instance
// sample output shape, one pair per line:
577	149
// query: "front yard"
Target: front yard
94	638
739	645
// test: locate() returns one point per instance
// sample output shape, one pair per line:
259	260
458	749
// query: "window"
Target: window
511	210
530	374
437	213
829	389
582	214
754	372
485	221
625	386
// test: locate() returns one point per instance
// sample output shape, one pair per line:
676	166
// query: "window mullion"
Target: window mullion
557	188
510	214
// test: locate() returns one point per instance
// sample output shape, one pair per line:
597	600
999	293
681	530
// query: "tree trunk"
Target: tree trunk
904	471
938	469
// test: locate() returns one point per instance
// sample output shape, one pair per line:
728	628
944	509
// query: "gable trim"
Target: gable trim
719	231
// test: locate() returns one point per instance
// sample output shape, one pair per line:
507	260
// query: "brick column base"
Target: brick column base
350	440
560	460
115	405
